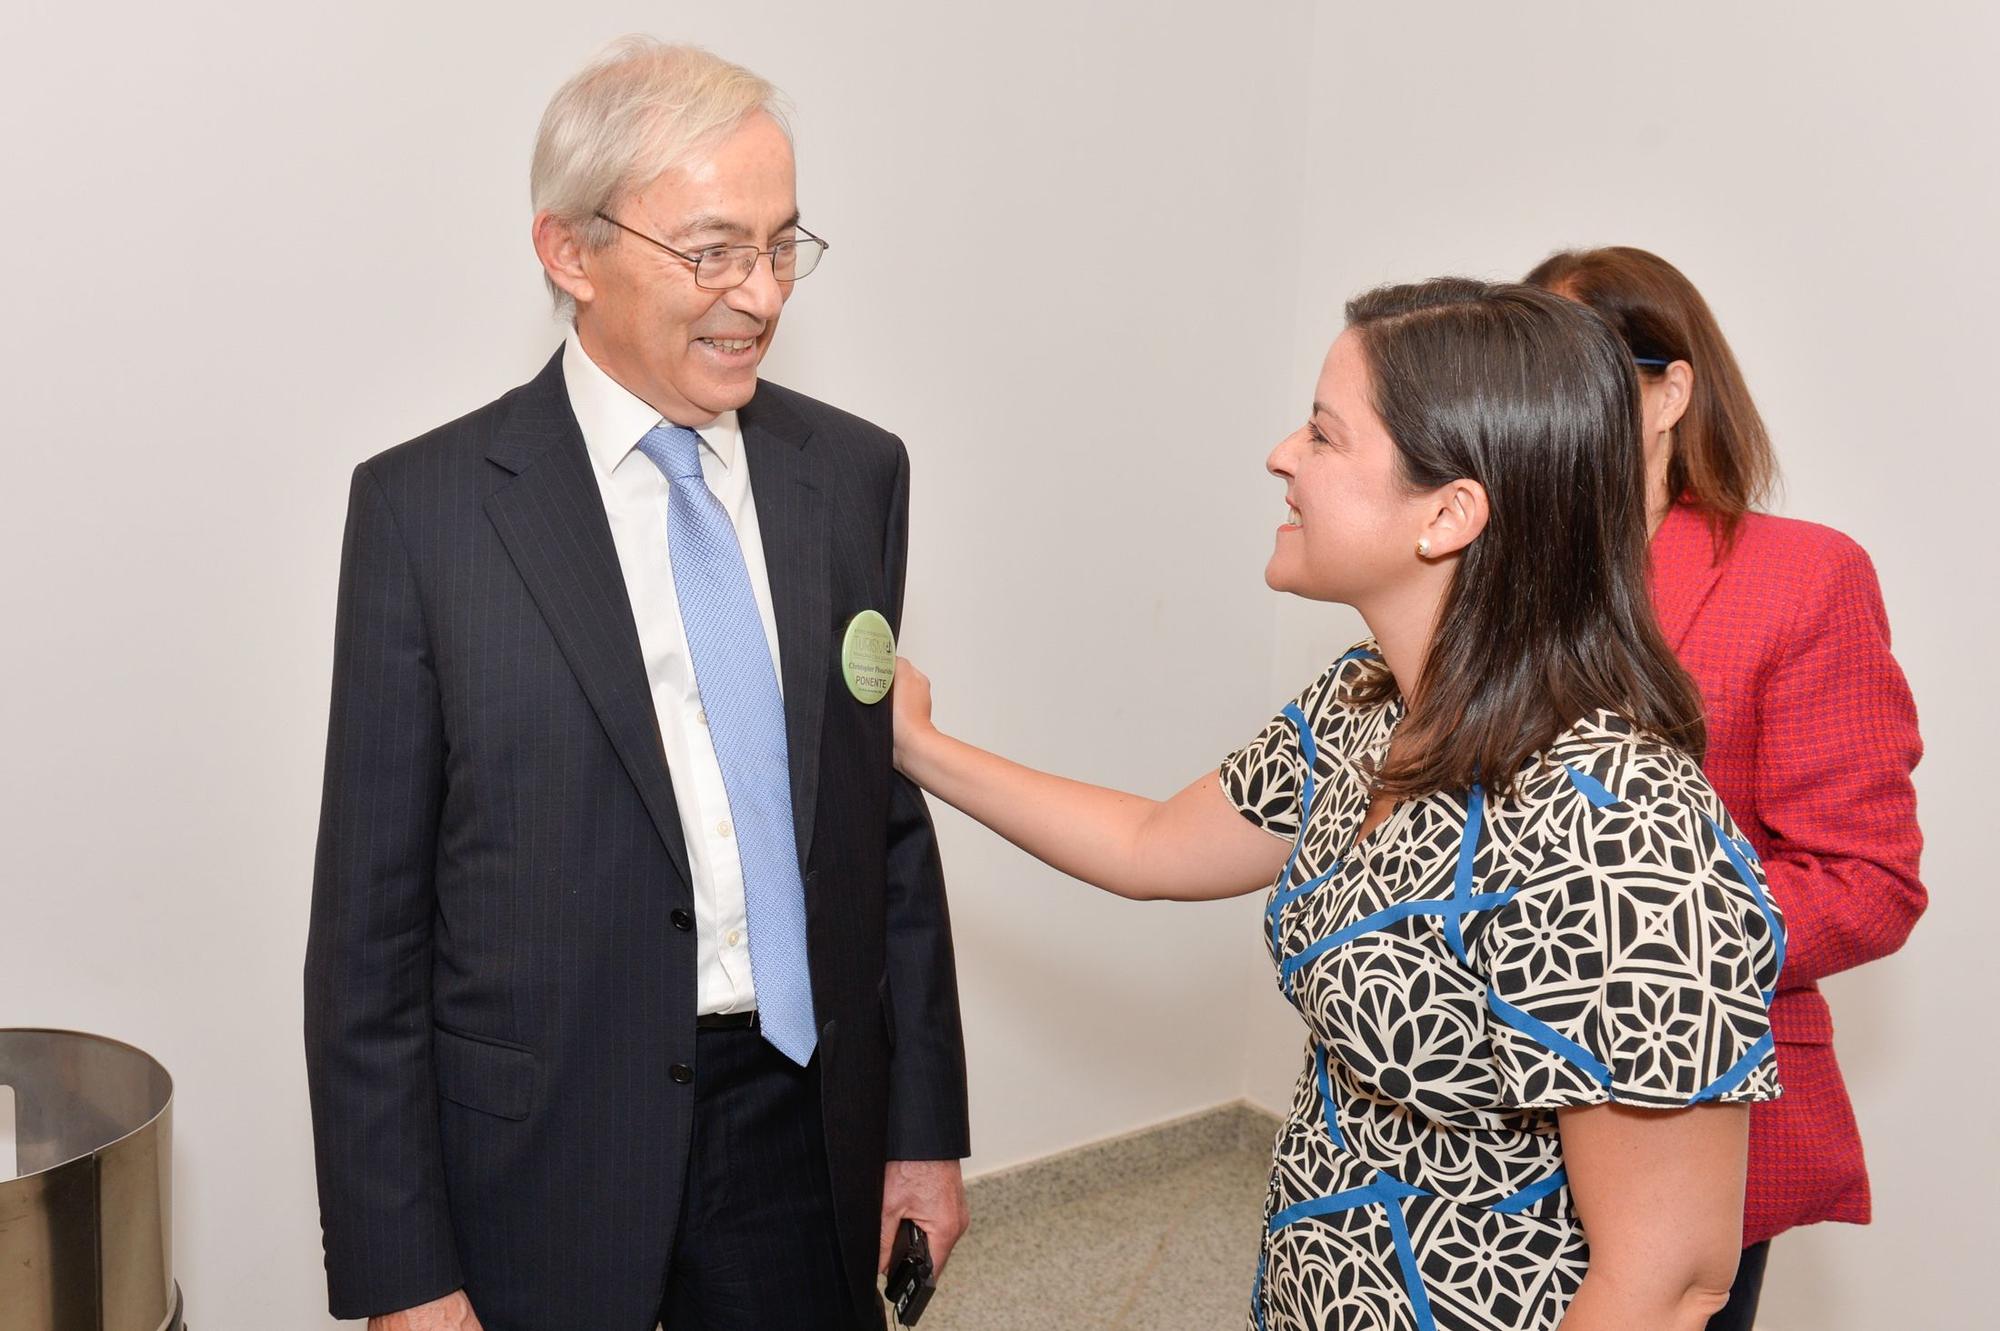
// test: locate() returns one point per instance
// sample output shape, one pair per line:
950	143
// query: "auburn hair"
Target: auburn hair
1722	463
1548	618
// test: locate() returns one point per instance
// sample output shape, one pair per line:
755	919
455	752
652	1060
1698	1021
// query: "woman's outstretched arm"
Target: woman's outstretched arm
1193	847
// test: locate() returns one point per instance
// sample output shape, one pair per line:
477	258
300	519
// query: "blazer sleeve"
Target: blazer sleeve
928	1115
383	1213
1837	741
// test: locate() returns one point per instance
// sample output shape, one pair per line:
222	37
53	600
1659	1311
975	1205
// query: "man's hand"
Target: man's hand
932	1194
453	1312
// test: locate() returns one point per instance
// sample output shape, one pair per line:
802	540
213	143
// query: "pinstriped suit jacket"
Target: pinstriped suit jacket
495	992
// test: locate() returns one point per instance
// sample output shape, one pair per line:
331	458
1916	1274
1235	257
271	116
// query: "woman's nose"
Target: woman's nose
1279	463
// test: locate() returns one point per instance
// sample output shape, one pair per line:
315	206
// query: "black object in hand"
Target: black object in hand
911	1282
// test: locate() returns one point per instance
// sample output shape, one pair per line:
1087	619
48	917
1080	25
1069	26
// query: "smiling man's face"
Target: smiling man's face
688	352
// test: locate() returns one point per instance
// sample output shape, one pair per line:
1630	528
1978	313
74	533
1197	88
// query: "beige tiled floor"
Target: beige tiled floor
1172	1250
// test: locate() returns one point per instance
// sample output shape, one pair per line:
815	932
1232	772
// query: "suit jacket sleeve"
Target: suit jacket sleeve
928	1117
1837	743
383	1212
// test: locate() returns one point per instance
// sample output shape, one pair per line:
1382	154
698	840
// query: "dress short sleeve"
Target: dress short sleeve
1265	778
1636	961
1270	779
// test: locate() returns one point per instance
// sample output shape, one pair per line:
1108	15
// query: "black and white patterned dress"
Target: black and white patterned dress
1602	934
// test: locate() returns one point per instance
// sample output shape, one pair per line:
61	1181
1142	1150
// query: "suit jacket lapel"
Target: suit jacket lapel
551	518
1684	571
785	480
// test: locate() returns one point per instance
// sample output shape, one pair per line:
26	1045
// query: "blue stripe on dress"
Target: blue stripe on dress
1389	1193
1529	1195
1309	755
1468	851
1381	919
1749	877
1291	894
1549	1038
1590	787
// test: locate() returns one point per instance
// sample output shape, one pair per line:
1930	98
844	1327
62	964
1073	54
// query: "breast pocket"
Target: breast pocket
481	1074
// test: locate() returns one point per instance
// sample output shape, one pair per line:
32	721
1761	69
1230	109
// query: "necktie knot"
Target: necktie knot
674	449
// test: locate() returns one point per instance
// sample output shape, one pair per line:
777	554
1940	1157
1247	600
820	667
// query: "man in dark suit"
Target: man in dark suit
629	993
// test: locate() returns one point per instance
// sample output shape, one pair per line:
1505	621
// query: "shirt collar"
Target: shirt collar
613	419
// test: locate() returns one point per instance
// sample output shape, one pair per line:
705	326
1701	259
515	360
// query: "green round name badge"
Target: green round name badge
868	657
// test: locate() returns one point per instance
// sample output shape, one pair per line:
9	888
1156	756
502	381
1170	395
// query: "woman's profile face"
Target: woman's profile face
1352	530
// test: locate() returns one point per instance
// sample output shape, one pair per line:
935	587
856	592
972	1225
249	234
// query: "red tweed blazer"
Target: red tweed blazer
1812	736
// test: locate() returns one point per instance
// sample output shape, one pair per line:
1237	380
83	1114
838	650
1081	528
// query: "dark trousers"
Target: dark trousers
757	1247
1740	1313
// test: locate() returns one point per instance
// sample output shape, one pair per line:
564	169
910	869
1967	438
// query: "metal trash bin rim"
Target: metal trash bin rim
166	1098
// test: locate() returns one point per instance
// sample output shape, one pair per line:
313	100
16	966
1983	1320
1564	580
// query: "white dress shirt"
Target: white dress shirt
635	500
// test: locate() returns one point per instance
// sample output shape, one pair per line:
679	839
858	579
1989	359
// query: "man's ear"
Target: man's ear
1458	513
563	257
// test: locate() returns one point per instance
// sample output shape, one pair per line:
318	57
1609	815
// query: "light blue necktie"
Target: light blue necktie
746	724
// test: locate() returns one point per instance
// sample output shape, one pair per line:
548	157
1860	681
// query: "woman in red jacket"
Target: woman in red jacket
1811	730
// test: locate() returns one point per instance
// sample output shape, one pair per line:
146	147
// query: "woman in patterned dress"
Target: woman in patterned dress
1531	951
1812	733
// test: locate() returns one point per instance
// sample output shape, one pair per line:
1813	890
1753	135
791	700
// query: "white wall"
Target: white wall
1827	176
252	245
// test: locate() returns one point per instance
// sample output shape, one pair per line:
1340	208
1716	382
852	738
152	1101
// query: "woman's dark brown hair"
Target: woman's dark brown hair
1722	462
1548	617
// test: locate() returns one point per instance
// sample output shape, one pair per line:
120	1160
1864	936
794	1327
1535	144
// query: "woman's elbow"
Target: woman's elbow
1157	889
1706	1291
1681	1286
1698	1306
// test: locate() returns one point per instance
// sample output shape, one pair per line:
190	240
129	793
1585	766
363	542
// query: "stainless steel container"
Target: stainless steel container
86	1227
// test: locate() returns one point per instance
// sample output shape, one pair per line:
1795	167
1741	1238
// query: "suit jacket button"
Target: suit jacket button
682	920
681	1073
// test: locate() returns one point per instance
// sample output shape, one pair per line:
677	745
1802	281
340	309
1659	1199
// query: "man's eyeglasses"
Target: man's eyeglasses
721	267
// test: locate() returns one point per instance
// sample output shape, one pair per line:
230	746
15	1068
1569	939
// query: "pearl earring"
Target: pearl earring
1423	547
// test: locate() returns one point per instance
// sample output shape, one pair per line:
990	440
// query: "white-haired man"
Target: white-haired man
629	991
